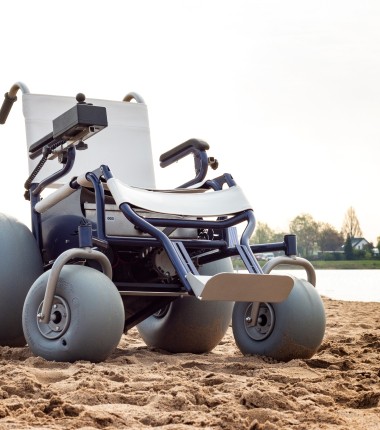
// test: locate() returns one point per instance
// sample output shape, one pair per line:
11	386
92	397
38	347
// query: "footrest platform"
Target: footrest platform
241	287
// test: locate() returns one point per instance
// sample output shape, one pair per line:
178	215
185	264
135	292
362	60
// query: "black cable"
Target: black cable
48	149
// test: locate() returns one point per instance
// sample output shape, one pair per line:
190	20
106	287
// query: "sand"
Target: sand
139	388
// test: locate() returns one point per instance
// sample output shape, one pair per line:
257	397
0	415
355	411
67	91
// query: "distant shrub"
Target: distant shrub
338	256
359	254
331	256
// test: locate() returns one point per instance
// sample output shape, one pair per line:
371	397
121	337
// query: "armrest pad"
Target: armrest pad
184	147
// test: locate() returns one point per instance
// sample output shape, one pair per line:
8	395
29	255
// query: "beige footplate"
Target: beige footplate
242	287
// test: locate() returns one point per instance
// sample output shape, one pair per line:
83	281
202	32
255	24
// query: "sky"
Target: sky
286	93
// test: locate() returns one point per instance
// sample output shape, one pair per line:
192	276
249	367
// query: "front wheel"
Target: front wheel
86	320
284	331
188	324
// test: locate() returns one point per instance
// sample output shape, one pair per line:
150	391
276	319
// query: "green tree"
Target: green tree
329	239
351	226
306	229
377	254
279	236
262	234
348	250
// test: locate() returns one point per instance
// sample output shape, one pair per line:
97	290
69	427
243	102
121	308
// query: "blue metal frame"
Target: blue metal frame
67	166
221	247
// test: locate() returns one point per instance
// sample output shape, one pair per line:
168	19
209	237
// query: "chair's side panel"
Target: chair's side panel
124	145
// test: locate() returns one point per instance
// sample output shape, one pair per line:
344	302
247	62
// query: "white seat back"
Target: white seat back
124	145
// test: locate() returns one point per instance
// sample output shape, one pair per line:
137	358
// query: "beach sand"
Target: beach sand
139	388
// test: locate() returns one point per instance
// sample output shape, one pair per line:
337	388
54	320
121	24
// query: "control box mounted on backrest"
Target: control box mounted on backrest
124	144
72	127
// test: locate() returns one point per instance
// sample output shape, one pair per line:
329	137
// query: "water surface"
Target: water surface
352	285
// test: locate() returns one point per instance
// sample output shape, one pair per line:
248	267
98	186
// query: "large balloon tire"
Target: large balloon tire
188	324
288	330
20	266
87	318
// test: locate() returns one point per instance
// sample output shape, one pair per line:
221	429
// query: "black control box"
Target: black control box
80	122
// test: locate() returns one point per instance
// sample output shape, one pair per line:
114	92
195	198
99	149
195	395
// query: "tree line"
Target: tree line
321	238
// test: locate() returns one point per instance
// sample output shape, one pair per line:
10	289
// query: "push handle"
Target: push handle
6	107
133	96
9	98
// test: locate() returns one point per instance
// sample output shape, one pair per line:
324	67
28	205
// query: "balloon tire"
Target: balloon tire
95	322
189	325
296	329
20	266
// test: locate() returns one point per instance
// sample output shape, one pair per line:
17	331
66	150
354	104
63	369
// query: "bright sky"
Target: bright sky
287	93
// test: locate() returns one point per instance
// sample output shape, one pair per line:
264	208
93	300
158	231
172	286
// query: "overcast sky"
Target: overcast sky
287	93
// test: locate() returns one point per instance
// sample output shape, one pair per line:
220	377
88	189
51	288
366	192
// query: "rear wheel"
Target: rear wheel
20	266
188	324
283	331
86	321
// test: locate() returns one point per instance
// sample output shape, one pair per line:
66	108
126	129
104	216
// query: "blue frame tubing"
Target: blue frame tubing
149	226
158	238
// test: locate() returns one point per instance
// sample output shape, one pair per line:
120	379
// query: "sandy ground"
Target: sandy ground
139	388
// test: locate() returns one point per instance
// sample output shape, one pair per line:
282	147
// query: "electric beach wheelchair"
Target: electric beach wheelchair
108	251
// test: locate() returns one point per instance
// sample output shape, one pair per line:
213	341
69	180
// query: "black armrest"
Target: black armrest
182	150
198	149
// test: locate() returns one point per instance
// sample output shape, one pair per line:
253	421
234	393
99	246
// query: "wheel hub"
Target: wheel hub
59	319
162	265
264	324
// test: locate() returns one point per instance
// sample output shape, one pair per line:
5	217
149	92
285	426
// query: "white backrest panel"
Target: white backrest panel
124	145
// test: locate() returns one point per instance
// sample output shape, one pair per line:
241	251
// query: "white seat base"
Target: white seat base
181	202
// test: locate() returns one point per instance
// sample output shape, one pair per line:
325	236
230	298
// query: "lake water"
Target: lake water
353	285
